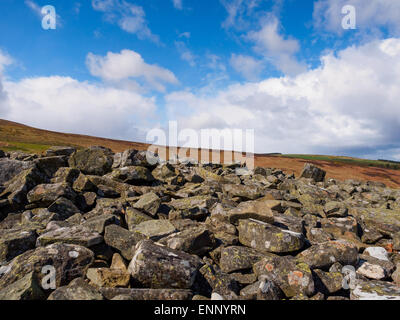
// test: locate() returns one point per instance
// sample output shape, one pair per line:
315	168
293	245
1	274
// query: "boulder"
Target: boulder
93	160
148	203
122	240
77	289
26	288
14	242
78	235
264	237
312	172
156	266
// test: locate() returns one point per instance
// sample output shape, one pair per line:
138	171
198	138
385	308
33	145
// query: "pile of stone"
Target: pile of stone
93	225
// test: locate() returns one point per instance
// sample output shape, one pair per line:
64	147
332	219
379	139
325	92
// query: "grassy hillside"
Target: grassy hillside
354	161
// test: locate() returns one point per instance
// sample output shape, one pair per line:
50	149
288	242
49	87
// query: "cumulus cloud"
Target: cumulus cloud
65	104
126	65
272	45
185	53
129	17
177	4
371	15
247	66
349	105
38	11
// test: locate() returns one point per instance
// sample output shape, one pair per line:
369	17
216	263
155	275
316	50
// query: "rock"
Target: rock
59	151
323	255
147	294
332	281
83	183
14	242
242	191
156	266
134	217
154	229
261	209
132	175
312	172
78	289
149	203
196	240
93	160
268	290
64	208
110	278
45	194
375	290
118	263
11	168
98	224
78	235
134	157
164	171
237	258
293	278
373	268
121	239
27	288
65	176
377	252
335	209
267	238
69	261
396	241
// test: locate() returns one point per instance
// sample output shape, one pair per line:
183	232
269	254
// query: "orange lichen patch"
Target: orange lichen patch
389	247
295	277
269	267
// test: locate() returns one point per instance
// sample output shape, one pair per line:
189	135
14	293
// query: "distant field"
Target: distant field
15	136
349	160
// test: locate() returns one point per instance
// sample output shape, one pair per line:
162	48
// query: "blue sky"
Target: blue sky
286	68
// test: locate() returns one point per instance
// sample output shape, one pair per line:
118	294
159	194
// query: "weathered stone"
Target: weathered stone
65	175
83	183
111	278
134	217
196	240
260	209
69	261
313	172
149	203
267	238
291	277
332	281
157	266
323	255
378	253
237	258
134	157
93	160
154	229
242	191
77	289
335	209
46	194
14	242
147	294
375	290
59	151
122	240
11	168
132	175
78	235
98	224
26	288
64	208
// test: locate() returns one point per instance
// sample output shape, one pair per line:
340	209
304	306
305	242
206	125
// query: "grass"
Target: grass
348	160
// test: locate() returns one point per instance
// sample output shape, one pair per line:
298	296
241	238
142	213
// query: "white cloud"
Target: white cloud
238	11
128	64
5	60
129	17
272	45
65	104
249	67
214	62
371	15
185	53
185	35
178	4
348	105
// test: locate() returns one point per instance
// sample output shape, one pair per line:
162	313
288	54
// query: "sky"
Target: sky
286	69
